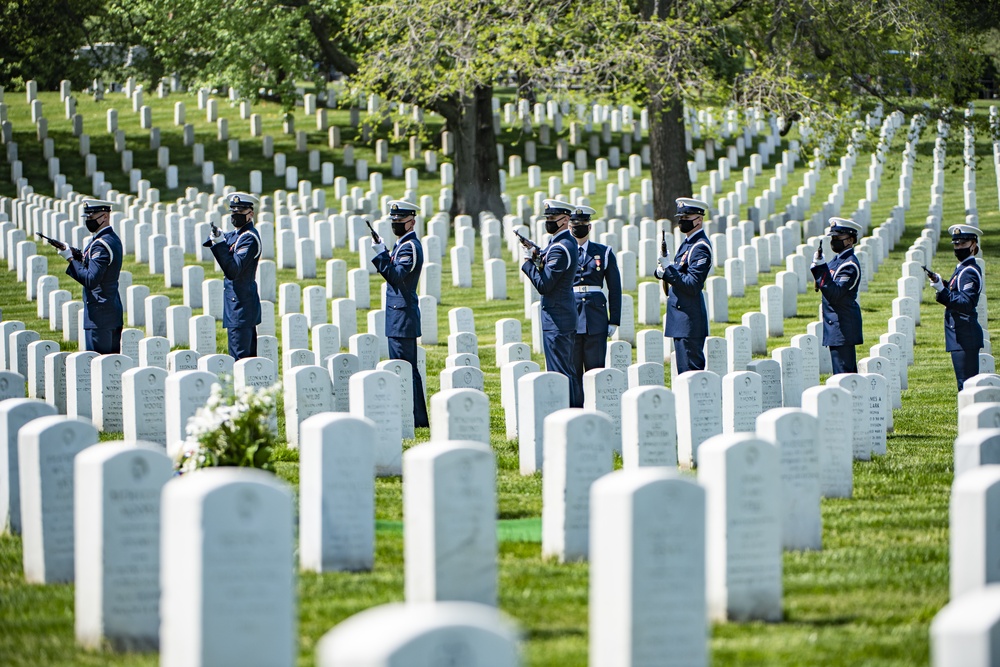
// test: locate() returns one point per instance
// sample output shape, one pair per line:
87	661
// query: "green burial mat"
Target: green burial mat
508	530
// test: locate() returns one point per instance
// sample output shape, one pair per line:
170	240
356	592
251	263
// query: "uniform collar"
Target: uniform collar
559	236
102	232
584	246
968	261
843	254
245	228
406	236
700	234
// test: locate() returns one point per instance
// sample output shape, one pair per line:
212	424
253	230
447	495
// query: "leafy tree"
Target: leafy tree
446	55
259	47
40	39
816	58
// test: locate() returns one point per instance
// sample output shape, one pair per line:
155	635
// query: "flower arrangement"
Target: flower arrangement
236	427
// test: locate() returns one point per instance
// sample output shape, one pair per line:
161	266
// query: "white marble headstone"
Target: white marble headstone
308	391
794	432
741	478
538	395
336	493
577	453
449	522
647	570
46	449
699	412
117	490
460	414
422	635
375	396
144	407
227	572
835	423
14	414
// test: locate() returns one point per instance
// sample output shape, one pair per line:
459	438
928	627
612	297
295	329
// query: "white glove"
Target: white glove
378	248
66	253
664	262
612	328
215	236
529	255
937	284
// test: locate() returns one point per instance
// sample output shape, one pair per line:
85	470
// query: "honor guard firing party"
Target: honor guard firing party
270	399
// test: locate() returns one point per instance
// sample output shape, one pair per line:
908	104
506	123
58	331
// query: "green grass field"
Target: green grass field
866	599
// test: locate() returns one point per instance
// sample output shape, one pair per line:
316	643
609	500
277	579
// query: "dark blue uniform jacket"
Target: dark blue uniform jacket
960	297
687	316
238	255
838	283
98	273
554	282
401	270
599	266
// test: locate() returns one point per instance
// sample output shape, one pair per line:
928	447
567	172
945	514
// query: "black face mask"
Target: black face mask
399	228
837	245
92	225
239	219
580	231
962	254
686	225
551	226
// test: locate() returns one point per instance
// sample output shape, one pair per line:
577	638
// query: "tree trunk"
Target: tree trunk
667	154
477	170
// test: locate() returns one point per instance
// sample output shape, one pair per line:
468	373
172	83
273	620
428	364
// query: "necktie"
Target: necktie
583	256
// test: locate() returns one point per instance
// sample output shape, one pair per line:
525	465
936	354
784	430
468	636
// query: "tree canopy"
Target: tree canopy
821	59
40	40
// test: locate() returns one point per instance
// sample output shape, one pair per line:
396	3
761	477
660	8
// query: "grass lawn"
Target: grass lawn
866	599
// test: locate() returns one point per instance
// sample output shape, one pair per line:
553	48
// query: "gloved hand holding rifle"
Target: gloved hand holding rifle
377	245
65	251
531	250
663	261
817	260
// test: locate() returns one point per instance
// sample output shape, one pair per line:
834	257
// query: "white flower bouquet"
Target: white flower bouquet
236	427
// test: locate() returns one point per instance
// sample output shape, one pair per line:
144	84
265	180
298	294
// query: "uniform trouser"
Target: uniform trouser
406	349
589	352
966	363
104	341
558	348
242	342
844	358
690	354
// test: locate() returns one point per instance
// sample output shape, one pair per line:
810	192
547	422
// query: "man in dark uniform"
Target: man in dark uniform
594	325
552	272
401	270
838	281
963	335
237	253
687	317
98	271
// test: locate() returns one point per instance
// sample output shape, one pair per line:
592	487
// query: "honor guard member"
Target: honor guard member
594	323
237	253
401	270
963	335
98	272
687	317
838	281
552	272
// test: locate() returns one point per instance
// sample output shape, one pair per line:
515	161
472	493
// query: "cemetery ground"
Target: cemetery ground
867	598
